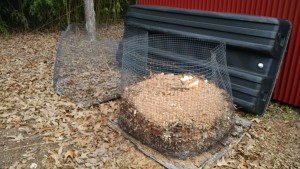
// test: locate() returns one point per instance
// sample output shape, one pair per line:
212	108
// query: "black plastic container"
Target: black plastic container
255	45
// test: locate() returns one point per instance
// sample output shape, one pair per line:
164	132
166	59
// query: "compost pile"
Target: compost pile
178	115
86	71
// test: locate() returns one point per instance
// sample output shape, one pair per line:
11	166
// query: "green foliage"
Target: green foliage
108	11
19	17
67	4
28	15
3	27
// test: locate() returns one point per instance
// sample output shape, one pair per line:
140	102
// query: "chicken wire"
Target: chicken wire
176	94
130	31
86	71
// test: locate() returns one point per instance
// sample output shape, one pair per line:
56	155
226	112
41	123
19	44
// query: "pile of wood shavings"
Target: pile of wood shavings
167	98
178	115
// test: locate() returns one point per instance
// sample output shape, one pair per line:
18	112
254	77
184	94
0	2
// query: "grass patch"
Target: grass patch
282	111
276	110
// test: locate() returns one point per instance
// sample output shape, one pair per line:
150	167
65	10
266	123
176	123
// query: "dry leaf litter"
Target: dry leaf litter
37	126
38	129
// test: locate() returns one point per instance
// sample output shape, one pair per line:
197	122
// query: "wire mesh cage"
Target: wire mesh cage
130	31
86	71
176	94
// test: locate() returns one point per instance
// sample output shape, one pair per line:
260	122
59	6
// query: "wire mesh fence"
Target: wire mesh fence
130	31
86	71
176	94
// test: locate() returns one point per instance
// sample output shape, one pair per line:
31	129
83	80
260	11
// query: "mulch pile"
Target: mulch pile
178	115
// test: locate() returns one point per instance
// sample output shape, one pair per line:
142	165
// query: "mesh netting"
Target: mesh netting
86	71
176	94
130	31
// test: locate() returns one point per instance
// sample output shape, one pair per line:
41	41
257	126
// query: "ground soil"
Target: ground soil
39	127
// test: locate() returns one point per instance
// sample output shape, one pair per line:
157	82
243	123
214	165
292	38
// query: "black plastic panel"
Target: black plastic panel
250	41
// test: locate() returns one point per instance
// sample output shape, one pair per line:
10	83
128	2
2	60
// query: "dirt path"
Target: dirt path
38	129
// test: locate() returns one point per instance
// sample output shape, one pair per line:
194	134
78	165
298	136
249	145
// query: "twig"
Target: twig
106	62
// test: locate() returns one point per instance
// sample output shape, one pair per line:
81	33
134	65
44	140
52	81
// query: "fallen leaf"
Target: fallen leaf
98	152
55	157
83	142
51	139
2	126
60	150
248	135
78	160
27	155
17	138
92	160
26	129
88	164
6	115
256	120
83	156
103	121
69	154
30	158
222	162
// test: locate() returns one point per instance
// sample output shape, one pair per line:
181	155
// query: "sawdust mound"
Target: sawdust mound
177	118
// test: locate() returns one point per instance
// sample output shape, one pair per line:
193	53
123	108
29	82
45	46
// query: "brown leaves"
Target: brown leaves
69	154
227	162
62	133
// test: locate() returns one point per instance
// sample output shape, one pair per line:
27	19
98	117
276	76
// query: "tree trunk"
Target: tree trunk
90	19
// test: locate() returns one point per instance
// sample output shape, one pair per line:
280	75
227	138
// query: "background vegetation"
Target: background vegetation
33	15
